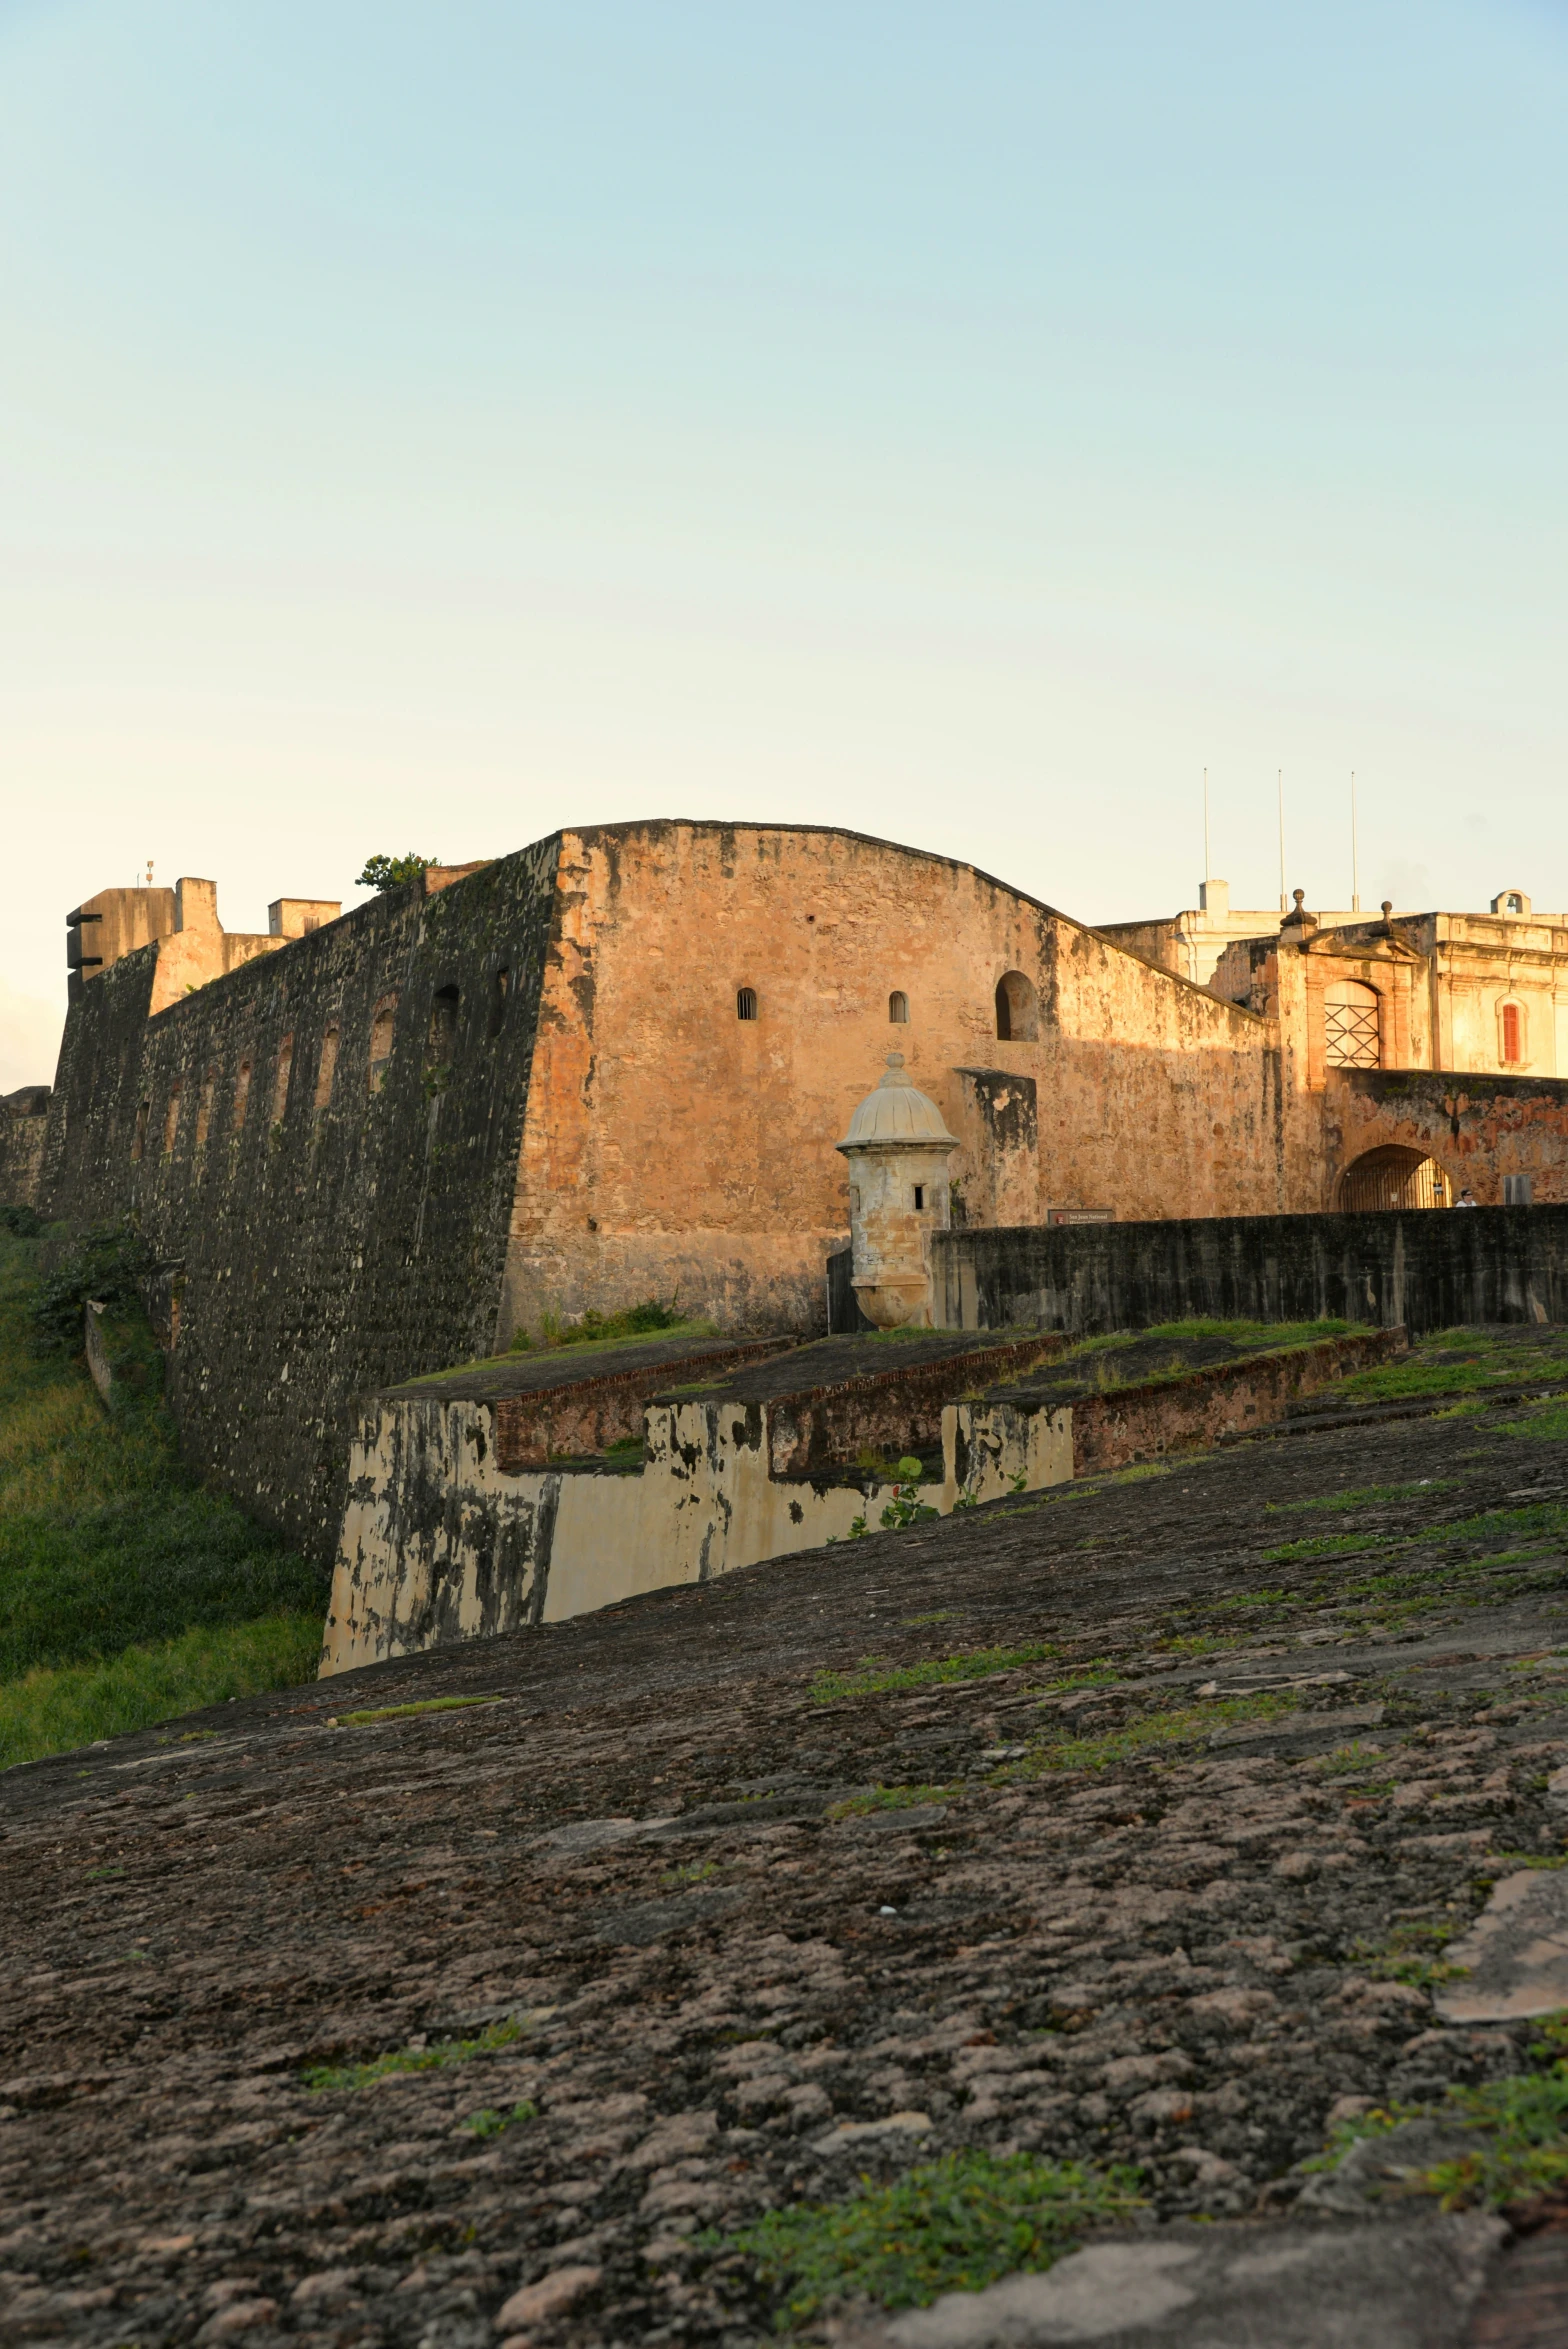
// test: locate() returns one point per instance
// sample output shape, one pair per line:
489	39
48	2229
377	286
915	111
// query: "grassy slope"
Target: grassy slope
126	1592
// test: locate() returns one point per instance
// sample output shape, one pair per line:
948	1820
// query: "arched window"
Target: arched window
1515	902
441	1049
382	1022
1510	1034
1016	1009
280	1079
500	988
745	1003
326	1067
1350	1025
898	1008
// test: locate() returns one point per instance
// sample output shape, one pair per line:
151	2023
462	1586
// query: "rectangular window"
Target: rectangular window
1513	1037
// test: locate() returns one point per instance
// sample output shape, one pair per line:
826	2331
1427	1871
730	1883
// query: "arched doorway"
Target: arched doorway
1392	1177
1350	1025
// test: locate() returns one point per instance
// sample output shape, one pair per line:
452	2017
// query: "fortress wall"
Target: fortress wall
1478	1127
669	1144
1422	1268
23	1125
326	1227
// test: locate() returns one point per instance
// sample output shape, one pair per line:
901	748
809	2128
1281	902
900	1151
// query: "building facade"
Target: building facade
617	1064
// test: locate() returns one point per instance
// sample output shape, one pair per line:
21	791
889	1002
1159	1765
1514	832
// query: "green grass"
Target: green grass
874	1678
891	1798
1326	1545
1409	1954
325	2078
1417	1376
1548	1424
1149	1732
53	1709
953	2225
1253	1333
112	1555
1365	1496
1520	2125
491	2123
649	1319
367	1714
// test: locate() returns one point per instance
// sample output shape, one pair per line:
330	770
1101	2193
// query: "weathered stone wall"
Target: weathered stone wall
672	1146
322	1148
1428	1269
23	1124
1478	1128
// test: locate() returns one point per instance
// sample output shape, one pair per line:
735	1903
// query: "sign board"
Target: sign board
1061	1215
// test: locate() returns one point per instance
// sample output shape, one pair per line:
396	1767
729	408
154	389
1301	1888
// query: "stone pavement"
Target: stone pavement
1181	1892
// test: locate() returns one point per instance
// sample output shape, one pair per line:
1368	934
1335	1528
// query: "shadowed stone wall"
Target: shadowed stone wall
322	1148
1427	1268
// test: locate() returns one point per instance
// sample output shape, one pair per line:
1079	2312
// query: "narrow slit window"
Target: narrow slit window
920	1198
139	1145
171	1121
241	1096
442	1047
746	1003
209	1086
280	1079
326	1067
383	1022
500	989
898	1008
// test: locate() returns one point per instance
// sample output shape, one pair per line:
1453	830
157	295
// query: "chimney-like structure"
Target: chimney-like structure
898	1148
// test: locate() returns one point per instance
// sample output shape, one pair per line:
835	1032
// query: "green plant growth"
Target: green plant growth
1365	1496
491	2123
322	2078
53	1709
1409	1955
953	2225
829	1687
393	872
368	1714
906	1507
127	1593
1253	1333
1148	1733
890	1798
1520	2126
595	1328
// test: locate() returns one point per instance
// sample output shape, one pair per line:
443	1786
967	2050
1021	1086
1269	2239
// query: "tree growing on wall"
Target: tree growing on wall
392	872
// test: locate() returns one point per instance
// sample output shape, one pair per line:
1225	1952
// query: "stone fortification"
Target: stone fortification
1417	1269
617	1064
321	1147
23	1125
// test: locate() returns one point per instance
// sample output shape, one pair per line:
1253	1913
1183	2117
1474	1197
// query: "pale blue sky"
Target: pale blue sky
425	425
